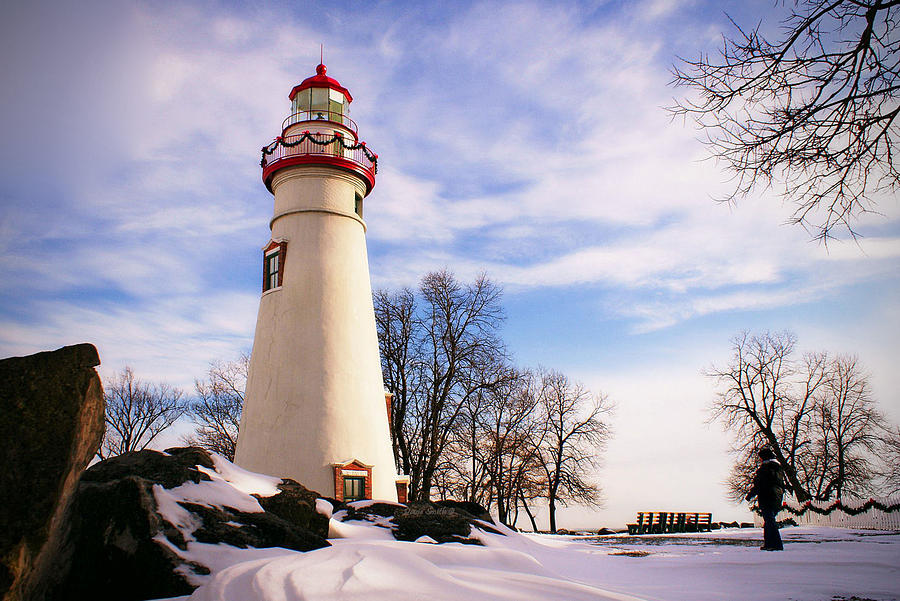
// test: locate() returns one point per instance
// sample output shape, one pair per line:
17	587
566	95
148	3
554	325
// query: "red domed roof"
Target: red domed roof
320	80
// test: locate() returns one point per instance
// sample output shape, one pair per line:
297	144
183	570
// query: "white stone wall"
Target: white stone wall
315	394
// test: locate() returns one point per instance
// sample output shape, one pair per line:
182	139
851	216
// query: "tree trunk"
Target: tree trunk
553	513
529	514
789	470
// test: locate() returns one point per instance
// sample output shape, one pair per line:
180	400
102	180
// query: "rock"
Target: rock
296	504
192	457
157	468
412	522
443	524
51	424
729	524
606	532
357	511
125	549
115	554
242	530
470	507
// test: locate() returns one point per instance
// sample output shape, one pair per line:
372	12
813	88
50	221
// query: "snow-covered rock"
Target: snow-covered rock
442	523
151	524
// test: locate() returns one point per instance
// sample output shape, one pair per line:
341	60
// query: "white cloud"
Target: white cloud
537	152
172	338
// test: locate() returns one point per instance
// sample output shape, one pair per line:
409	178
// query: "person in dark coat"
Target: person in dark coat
768	488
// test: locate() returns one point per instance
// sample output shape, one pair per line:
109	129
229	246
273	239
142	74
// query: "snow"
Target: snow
377	530
217	493
324	507
365	563
175	514
246	482
817	565
229	486
368	571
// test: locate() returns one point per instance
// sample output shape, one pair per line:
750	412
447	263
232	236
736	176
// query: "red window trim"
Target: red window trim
282	256
356	466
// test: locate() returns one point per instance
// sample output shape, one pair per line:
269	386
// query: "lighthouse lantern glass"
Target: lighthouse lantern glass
319	99
301	101
336	105
330	104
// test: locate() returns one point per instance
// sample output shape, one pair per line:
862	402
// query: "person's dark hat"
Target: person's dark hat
765	453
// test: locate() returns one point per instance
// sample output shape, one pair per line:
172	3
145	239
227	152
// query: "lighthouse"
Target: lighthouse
314	408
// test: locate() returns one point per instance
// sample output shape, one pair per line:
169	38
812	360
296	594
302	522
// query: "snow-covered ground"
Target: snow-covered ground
366	564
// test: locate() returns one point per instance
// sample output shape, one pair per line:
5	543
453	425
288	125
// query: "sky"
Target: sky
525	140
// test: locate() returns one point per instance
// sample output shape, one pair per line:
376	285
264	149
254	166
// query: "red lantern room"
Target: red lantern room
319	131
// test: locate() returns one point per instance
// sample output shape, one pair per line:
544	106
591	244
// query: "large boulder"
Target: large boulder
138	518
51	424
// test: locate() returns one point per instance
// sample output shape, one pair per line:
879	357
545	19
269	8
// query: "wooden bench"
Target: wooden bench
661	522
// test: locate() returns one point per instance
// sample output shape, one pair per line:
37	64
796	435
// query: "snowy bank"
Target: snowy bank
366	563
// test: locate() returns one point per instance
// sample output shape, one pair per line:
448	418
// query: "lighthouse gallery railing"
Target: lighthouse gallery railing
320	145
320	115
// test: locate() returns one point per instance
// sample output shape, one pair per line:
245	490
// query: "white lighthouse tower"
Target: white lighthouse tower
314	408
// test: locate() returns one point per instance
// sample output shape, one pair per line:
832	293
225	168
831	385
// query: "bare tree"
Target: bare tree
512	434
816	414
889	452
436	355
136	413
575	435
401	342
815	110
464	473
217	407
851	424
756	401
796	426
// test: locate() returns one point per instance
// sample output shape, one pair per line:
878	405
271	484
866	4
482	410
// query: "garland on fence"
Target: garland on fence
271	148
837	505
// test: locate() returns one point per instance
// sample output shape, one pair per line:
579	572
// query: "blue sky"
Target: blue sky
525	140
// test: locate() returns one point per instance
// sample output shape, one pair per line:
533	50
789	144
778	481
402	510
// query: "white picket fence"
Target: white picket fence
872	519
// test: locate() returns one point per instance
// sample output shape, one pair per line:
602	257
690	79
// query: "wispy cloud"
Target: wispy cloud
537	152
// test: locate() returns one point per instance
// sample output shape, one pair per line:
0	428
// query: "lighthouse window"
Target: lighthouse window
354	488
320	101
301	101
357	206
335	105
272	266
